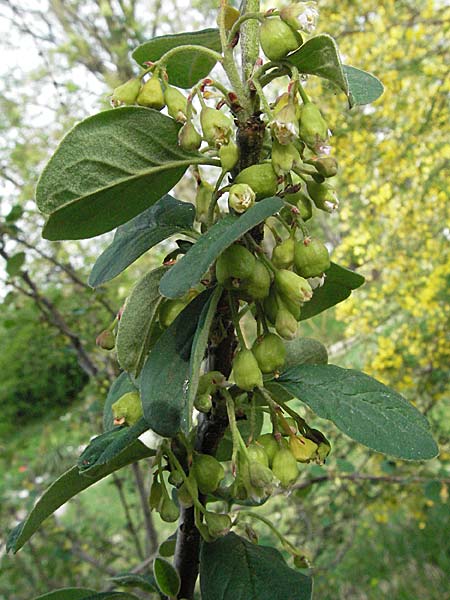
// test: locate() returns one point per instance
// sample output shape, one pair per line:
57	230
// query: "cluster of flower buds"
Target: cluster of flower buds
154	93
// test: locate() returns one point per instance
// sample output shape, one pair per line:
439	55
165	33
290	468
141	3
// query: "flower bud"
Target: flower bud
209	382
106	340
218	524
169	311
292	287
270	353
301	15
283	100
203	403
278	39
271	305
126	93
184	495
241	197
284	467
285	125
261	178
257	285
156	493
311	258
168	510
283	254
302	202
270	445
246	371
216	126
176	103
127	410
313	127
323	195
189	138
286	324
284	157
302	448
229	155
326	165
236	262
208	472
203	200
261	477
151	94
256	453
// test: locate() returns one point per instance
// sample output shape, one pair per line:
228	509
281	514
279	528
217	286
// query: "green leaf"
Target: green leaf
199	345
120	386
231	568
186	68
165	376
106	447
67	594
142	582
134	334
364	87
320	56
67	486
363	408
165	218
339	283
166	577
108	169
15	263
112	596
190	269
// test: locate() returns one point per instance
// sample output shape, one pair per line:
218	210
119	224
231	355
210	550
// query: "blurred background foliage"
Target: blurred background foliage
372	527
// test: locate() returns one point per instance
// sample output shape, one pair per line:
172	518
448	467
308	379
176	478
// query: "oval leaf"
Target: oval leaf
165	218
106	447
231	568
108	169
320	56
363	87
67	594
339	283
188	67
199	345
165	376
142	582
67	486
190	269
363	408
166	577
137	320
